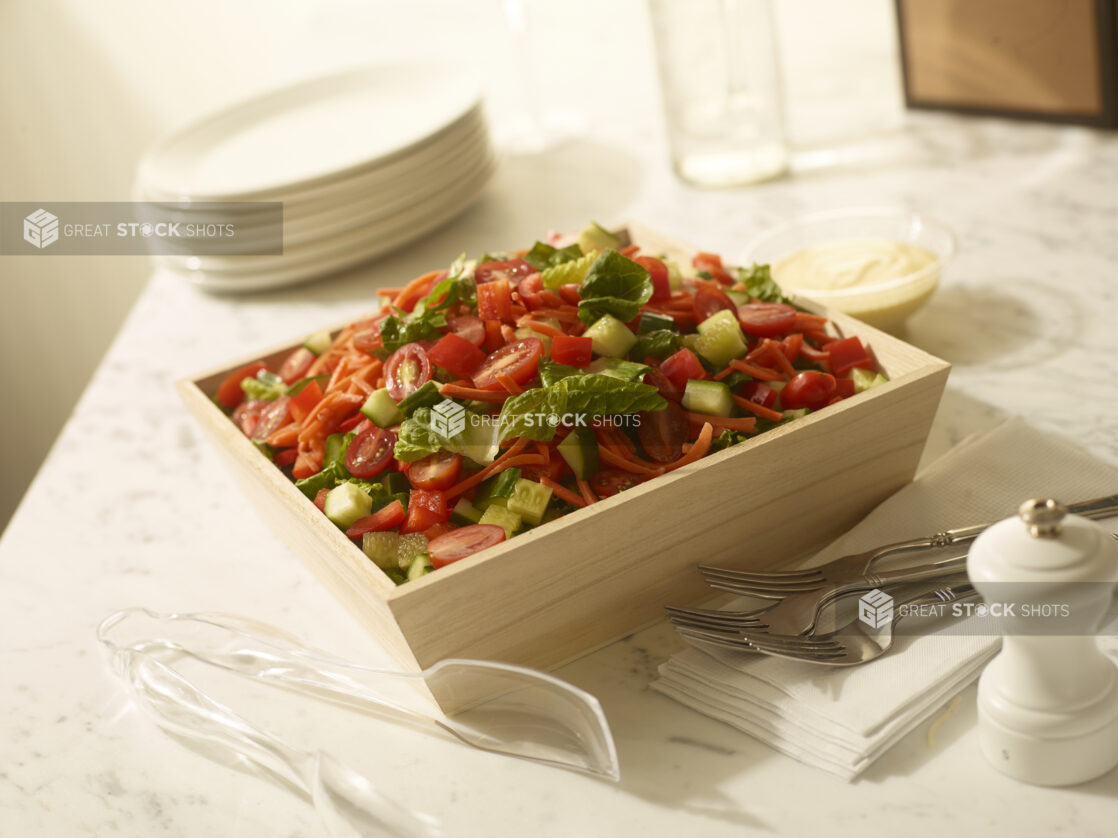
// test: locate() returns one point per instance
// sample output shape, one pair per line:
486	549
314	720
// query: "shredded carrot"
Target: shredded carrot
696	451
544	450
417	288
568	314
624	463
805	321
760	373
550	298
506	460
507	382
563	492
630	250
758	409
777	353
586	491
285	437
459	391
542	328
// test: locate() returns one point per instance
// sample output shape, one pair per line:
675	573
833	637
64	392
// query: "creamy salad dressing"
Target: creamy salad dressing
859	266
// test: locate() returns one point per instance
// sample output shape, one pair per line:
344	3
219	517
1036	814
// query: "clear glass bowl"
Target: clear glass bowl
885	305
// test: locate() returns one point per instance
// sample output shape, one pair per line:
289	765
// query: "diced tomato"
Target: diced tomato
468	328
766	320
519	360
571	293
663	432
848	353
296	365
247	415
273	417
494	300
386	518
712	264
610	481
682	367
370	452
285	457
809	389
757	392
511	270
658	273
230	394
320	499
462	542
435	471
709	301
303	402
351	423
406	370
456	354
425	509
529	290
844	388
567	349
416	291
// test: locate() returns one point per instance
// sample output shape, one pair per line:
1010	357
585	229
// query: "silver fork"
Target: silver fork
850	645
796	614
858	566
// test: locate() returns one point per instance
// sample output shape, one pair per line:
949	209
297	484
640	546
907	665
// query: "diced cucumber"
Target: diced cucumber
498	488
465	513
395	483
740	298
426	396
502	517
420	567
580	450
610	336
710	397
529	500
865	379
651	321
346	503
720	338
691	342
319	342
798	413
595	237
409	546
382	548
382	409
675	276
484	503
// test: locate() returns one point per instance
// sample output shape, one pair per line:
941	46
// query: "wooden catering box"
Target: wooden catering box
575	584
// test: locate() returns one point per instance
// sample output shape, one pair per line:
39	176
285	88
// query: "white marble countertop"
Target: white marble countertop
133	508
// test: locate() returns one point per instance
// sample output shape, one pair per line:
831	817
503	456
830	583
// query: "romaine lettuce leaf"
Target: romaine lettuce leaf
577	398
614	285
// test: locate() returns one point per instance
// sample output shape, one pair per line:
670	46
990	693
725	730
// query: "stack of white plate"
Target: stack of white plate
363	163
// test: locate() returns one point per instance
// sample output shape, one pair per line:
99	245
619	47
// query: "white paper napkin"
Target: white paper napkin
843	718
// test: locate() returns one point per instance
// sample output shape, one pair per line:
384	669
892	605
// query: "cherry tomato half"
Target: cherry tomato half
709	301
519	360
512	270
663	432
809	389
273	417
296	365
386	518
436	471
571	293
370	452
247	415
529	290
468	328
464	541
766	320
230	394
367	335
406	370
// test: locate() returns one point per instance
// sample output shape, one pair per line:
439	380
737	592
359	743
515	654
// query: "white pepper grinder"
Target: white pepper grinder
1048	702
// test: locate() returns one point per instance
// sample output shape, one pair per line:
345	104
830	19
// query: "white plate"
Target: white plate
305	222
374	244
310	133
